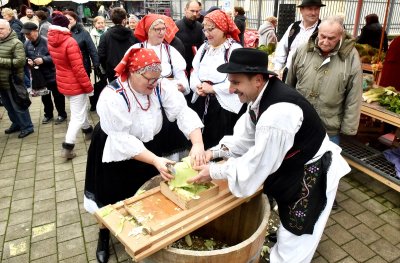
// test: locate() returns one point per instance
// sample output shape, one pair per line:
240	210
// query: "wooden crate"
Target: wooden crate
187	204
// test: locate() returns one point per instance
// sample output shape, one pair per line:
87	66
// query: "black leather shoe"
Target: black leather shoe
59	120
335	205
11	130
23	134
46	120
103	250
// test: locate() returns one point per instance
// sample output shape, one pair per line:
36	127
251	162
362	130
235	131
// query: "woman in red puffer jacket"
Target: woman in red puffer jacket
72	81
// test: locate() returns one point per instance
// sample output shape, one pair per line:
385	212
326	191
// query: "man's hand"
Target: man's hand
160	164
203	176
209	156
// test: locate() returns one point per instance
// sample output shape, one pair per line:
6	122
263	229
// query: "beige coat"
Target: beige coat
333	85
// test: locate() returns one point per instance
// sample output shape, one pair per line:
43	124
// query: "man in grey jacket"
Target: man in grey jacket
327	72
12	56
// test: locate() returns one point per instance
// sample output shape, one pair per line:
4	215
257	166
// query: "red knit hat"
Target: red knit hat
135	59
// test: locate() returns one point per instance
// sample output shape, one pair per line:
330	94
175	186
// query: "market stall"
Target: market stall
375	147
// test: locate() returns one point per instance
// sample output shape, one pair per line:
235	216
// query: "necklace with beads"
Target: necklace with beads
140	105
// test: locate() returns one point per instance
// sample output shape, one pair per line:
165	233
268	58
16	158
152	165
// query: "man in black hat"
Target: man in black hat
297	33
41	63
280	144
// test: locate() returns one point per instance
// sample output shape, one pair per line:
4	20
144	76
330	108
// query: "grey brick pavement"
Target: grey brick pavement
42	217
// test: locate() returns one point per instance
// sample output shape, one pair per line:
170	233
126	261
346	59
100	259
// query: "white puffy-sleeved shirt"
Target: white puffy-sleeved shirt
177	66
283	56
206	70
127	130
259	150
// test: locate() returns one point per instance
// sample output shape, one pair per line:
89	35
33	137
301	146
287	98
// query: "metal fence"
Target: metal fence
258	10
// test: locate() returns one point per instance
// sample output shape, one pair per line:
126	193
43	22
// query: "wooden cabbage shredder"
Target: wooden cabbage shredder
151	221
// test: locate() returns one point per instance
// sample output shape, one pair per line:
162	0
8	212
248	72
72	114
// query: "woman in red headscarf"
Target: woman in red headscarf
128	142
157	32
211	100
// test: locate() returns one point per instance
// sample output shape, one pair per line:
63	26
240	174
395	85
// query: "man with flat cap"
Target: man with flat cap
280	144
297	34
39	59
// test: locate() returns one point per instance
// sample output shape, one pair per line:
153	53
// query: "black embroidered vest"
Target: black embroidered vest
287	183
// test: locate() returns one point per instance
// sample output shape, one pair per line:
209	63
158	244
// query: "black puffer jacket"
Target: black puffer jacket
86	46
16	25
240	22
112	47
38	49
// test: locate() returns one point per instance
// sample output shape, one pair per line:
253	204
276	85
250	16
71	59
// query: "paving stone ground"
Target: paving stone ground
42	218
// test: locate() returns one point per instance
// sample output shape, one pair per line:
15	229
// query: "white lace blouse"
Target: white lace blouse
206	70
128	129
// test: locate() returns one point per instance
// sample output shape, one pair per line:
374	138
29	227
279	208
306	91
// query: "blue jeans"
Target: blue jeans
335	139
20	118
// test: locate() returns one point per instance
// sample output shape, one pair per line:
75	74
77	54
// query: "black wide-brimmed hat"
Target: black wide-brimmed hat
305	3
246	60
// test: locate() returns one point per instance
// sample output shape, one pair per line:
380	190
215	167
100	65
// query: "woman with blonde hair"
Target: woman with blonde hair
215	105
99	27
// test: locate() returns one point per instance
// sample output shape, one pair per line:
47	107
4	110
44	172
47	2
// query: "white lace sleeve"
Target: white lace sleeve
274	136
116	121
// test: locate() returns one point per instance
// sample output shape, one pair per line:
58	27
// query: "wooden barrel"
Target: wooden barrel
242	228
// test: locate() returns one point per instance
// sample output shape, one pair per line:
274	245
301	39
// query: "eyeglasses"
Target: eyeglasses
208	30
151	81
159	30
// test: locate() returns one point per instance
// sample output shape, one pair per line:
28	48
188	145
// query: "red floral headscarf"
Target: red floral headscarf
135	59
225	23
143	27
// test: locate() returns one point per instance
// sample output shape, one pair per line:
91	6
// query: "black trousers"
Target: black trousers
59	101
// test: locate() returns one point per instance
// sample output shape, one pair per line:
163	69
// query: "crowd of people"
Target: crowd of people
192	80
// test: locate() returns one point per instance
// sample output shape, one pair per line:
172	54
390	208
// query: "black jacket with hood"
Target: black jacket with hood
240	22
86	45
112	47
